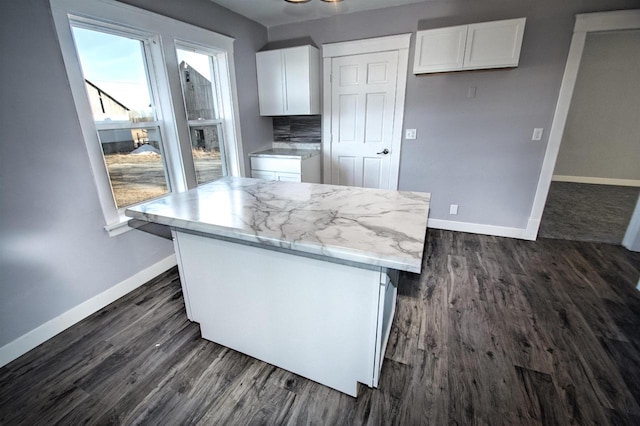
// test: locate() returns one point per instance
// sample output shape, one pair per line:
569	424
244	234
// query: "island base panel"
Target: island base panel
324	321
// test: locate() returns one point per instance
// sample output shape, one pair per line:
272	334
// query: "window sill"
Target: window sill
119	227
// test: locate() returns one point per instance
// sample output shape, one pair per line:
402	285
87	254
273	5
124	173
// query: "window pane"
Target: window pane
134	163
207	155
117	83
115	76
196	74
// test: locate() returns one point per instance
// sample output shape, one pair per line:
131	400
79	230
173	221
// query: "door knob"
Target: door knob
384	151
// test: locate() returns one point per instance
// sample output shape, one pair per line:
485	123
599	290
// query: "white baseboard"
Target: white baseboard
478	228
44	332
531	233
595	180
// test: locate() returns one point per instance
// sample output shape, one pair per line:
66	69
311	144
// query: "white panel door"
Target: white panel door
363	99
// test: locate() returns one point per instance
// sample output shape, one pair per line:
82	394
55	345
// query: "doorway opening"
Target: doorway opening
586	24
596	179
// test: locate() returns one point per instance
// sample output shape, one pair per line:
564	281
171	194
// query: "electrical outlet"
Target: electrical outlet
537	134
453	209
471	93
410	133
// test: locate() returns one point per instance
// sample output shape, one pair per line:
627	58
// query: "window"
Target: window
144	138
119	92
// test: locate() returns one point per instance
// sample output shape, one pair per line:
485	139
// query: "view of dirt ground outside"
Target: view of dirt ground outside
137	177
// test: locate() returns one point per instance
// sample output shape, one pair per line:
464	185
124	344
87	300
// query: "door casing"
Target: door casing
399	43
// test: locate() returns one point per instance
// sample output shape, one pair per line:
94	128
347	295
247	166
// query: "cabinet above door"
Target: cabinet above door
494	44
288	81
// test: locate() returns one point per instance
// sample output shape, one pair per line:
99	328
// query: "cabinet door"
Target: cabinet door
270	82
296	77
440	50
494	44
261	174
288	177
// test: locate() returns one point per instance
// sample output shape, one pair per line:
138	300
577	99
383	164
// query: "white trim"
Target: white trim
631	240
46	331
369	45
327	137
478	228
595	180
605	21
118	228
398	123
399	43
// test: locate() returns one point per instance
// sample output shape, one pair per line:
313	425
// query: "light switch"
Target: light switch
537	134
471	93
410	133
453	209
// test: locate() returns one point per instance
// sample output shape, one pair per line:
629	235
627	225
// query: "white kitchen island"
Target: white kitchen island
302	276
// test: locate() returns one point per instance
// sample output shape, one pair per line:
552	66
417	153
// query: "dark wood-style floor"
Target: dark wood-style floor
588	212
495	331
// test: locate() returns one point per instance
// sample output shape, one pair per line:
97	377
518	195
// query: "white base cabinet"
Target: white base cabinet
324	321
287	169
495	44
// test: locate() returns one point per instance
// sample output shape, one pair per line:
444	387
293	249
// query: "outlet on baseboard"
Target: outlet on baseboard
453	209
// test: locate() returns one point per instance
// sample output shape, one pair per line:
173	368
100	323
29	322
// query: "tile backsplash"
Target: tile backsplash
298	129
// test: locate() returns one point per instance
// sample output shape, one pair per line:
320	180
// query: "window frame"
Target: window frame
165	35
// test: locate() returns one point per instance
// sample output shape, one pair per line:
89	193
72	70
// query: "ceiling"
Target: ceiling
277	12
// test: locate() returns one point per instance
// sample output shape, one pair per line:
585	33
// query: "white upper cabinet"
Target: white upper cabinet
288	81
440	50
476	46
494	44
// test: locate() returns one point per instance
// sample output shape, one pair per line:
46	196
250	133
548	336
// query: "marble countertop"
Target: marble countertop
286	153
367	226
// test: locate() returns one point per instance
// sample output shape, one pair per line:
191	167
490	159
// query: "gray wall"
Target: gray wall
54	252
476	152
602	135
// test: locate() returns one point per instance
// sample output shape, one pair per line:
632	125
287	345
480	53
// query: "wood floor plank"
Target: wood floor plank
582	269
576	352
405	330
482	385
494	331
540	397
627	359
518	334
578	398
